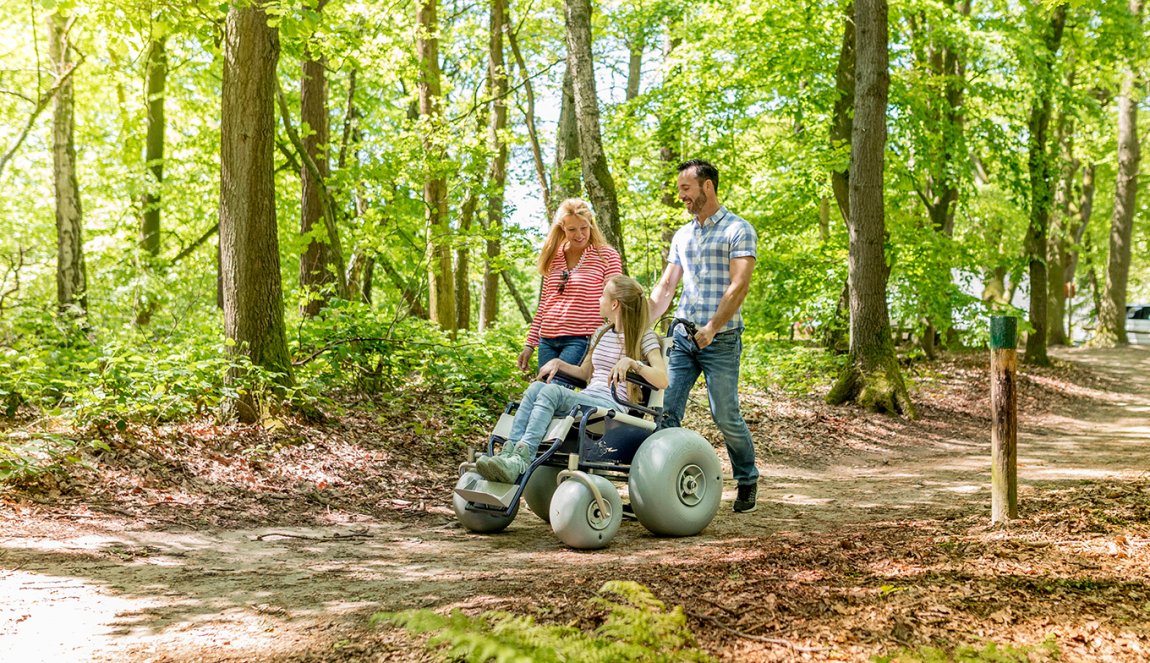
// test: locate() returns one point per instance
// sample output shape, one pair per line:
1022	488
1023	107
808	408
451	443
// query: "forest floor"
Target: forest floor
872	536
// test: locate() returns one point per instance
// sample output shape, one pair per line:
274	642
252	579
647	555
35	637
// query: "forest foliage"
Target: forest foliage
749	86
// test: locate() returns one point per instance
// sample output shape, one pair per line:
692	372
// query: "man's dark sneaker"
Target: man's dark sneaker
745	501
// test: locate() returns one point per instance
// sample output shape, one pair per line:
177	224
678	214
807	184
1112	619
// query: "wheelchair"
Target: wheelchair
673	475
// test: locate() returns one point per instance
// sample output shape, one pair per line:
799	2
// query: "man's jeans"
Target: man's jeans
540	402
719	364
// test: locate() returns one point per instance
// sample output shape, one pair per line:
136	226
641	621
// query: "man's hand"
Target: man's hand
704	336
525	359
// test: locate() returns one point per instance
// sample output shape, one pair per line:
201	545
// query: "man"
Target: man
714	256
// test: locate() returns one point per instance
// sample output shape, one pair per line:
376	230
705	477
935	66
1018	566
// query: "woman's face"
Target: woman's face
577	230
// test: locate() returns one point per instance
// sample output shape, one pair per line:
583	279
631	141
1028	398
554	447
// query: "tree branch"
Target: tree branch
325	194
40	106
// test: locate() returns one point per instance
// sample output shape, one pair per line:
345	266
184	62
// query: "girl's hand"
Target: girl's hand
619	372
548	370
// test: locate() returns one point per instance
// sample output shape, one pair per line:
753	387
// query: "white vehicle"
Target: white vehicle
1138	324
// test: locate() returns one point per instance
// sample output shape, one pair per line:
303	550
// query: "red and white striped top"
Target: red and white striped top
575	311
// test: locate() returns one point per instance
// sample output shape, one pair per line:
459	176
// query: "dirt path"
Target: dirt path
98	588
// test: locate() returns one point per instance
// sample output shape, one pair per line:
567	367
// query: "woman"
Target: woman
621	346
576	263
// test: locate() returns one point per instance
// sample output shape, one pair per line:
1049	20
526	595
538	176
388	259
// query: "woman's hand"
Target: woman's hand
525	359
622	367
548	370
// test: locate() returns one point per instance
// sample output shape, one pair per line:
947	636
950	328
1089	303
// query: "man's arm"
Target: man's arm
664	290
736	292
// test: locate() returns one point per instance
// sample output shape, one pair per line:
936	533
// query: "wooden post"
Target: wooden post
1004	407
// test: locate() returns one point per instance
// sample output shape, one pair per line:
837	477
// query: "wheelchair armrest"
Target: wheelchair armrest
635	378
569	380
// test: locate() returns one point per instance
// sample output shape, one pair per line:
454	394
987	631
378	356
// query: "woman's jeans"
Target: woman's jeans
540	402
568	348
719	364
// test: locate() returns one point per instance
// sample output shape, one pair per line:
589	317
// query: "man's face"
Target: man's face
692	191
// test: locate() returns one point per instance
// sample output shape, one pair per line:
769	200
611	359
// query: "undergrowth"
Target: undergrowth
636	627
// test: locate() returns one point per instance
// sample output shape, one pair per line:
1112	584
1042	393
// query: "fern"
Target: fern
637	628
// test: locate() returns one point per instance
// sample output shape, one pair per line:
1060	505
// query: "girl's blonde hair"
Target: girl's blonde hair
572	206
634	318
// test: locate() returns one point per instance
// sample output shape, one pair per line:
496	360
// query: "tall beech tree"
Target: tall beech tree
567	178
249	244
871	376
497	176
944	57
440	281
157	78
1041	196
71	274
1112	315
593	163
316	275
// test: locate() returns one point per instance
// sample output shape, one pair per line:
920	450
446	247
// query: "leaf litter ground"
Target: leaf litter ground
872	537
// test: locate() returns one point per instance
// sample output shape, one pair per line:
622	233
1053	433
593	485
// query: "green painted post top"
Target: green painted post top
1003	332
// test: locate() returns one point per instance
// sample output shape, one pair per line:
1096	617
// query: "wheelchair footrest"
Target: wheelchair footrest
488	493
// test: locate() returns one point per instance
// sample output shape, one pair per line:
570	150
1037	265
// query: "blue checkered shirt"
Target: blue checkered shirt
705	252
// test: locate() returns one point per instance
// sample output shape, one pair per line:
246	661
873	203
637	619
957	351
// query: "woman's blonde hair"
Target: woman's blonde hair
572	206
634	318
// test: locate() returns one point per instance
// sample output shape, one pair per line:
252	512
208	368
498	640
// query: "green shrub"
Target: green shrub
637	627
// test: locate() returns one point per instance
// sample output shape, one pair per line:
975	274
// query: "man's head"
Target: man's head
698	186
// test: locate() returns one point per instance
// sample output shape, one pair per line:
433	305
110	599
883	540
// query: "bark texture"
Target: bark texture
316	277
593	163
1112	315
71	273
497	176
1040	191
441	282
154	148
567	179
249	245
871	377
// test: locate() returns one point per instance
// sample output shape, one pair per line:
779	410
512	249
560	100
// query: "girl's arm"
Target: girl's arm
654	371
557	365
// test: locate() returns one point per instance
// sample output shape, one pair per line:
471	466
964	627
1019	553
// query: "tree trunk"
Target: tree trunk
441	283
154	149
497	177
842	123
316	278
463	260
566	181
871	377
1112	315
1040	194
596	173
1084	214
71	274
842	120
1063	226
635	48
940	191
249	246
515	294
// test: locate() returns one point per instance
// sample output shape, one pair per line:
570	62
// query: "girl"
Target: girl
620	346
